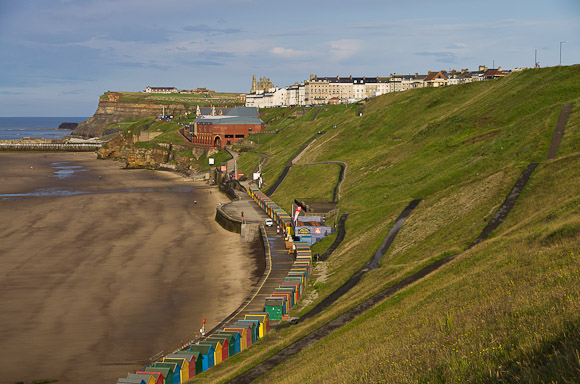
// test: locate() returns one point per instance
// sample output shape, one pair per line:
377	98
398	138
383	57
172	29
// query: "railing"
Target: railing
71	147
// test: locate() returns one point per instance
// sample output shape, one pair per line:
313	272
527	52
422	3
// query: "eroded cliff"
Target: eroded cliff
109	112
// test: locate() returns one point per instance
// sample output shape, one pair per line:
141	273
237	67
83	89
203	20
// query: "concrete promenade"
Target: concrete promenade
278	261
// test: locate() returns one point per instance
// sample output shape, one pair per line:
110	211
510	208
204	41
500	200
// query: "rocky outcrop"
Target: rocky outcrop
162	156
70	126
112	111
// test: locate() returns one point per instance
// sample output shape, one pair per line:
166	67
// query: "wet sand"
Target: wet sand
102	268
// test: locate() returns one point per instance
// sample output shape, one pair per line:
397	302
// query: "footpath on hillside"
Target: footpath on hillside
326	329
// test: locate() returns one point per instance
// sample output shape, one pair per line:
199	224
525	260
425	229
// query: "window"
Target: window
239	136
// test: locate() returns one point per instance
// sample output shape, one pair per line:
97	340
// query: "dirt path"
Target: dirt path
372	264
351	314
315	114
507	205
559	131
341	233
287	167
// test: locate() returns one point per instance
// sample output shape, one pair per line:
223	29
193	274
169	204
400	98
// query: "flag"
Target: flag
298	209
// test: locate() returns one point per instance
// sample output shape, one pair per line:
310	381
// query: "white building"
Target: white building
274	97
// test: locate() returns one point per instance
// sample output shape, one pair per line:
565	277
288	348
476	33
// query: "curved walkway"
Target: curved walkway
342	165
340	234
326	329
372	264
559	131
287	167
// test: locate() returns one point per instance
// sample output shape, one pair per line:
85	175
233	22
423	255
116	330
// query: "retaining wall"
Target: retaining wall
227	222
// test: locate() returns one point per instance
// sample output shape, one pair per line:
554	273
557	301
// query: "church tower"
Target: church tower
253	84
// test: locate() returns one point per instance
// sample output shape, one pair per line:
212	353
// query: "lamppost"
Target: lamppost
561	42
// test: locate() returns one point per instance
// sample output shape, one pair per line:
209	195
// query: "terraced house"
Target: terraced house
339	90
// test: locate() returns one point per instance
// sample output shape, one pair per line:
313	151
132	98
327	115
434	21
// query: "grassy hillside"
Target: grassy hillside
505	310
188	100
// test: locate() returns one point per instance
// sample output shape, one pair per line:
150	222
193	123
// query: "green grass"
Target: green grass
188	100
307	183
504	311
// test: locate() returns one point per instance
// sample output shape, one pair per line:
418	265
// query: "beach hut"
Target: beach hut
175	370
217	349
168	373
126	380
266	319
262	320
195	361
183	364
287	300
295	280
148	378
224	342
162	371
275	307
207	355
295	285
159	378
245	336
290	291
234	341
189	362
298	275
304	269
255	328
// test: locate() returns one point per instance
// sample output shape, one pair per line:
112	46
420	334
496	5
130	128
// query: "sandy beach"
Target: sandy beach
101	268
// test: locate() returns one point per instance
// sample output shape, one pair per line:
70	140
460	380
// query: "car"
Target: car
269	222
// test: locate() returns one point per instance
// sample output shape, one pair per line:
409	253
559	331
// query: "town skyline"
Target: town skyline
59	57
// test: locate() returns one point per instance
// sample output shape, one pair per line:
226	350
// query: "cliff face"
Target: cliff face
111	111
163	156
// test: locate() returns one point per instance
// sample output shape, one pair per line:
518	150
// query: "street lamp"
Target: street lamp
561	42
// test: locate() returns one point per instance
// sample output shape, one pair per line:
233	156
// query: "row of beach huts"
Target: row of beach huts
183	365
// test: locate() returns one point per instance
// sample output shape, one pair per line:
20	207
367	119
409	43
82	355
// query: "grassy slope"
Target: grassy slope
188	100
507	307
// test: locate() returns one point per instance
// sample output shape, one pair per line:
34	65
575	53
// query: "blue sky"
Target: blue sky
58	56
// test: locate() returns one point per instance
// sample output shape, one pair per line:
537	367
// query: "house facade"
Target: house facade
217	130
340	90
164	90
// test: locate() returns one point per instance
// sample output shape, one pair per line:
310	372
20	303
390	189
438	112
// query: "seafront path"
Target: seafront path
278	260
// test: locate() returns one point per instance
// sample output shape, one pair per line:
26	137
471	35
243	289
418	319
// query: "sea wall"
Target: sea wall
227	222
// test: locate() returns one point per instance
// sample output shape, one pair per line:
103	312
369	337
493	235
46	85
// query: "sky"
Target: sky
58	56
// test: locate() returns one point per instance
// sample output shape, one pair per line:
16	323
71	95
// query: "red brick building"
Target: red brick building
219	130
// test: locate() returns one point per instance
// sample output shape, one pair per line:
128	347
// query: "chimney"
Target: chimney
312	76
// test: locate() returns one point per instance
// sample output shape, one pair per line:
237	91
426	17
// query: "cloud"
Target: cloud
209	54
11	93
344	49
457	46
286	52
211	30
440	57
206	63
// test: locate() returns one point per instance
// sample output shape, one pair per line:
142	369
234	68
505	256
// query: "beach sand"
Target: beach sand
103	268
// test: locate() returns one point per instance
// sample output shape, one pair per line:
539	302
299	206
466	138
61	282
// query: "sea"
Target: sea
12	128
